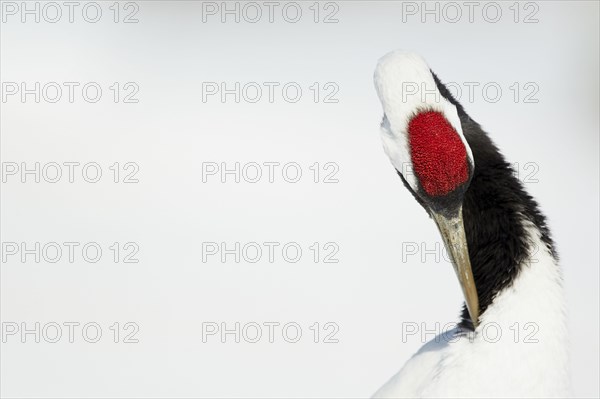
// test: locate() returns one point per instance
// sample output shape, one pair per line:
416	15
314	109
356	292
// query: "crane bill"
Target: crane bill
453	233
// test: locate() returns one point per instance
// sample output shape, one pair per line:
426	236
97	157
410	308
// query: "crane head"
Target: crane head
423	138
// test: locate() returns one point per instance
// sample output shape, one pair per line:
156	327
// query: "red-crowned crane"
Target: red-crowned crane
512	340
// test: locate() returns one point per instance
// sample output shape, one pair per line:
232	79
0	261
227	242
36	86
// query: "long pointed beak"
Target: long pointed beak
453	233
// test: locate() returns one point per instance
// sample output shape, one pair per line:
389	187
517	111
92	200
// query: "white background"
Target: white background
170	132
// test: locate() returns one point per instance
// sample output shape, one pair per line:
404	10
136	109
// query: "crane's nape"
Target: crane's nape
497	239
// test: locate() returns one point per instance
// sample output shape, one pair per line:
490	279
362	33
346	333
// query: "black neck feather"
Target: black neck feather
496	208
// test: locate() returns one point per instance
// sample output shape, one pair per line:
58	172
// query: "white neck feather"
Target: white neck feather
531	315
518	350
